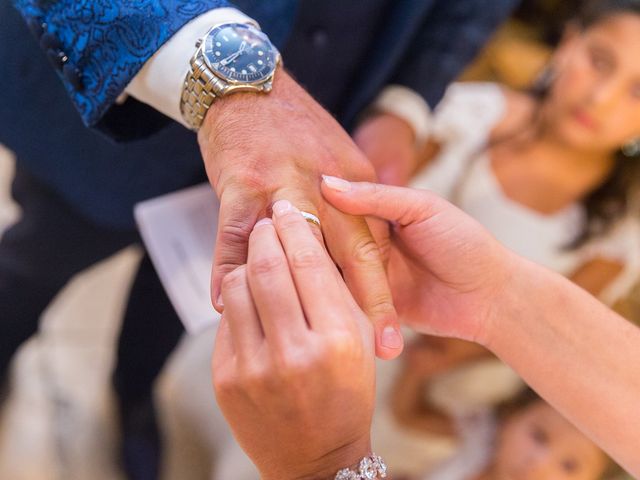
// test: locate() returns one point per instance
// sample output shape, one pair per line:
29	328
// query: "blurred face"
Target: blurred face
539	444
594	103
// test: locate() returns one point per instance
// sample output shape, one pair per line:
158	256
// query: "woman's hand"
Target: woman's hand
293	366
458	281
445	269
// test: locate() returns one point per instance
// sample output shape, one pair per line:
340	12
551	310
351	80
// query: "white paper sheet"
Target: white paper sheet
179	231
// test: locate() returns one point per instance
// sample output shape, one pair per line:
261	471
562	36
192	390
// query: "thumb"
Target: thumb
400	205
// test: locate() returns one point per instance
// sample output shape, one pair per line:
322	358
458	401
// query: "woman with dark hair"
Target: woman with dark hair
551	171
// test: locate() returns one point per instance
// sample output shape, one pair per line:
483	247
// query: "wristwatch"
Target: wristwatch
231	57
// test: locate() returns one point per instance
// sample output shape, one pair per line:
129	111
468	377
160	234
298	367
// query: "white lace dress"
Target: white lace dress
462	173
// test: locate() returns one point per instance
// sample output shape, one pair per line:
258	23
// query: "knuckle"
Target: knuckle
235	279
252	179
246	173
255	376
341	347
235	232
226	386
366	251
384	246
290	220
377	193
268	381
293	364
381	306
266	265
309	258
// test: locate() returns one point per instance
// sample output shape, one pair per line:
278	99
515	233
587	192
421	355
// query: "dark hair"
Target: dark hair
611	201
595	11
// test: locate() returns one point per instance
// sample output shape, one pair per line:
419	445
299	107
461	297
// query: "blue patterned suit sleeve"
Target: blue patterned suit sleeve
108	41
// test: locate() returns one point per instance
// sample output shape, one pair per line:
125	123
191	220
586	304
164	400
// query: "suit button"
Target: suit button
36	27
49	41
57	58
319	37
73	76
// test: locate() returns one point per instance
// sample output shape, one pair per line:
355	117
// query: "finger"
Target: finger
396	204
241	314
223	350
304	202
239	211
379	228
355	251
315	276
272	287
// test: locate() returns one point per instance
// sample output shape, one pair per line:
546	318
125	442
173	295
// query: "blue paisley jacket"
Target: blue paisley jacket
106	42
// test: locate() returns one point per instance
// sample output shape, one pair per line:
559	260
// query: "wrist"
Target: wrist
235	112
327	466
513	303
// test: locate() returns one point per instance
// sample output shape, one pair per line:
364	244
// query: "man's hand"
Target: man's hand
390	145
294	364
261	148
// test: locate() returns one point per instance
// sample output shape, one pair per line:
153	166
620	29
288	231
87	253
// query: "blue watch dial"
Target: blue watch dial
240	53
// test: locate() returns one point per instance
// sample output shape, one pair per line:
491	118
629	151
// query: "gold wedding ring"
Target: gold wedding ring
311	218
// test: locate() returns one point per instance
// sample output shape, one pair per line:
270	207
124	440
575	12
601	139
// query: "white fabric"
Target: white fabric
159	82
462	173
408	105
478	432
477	385
407	452
198	441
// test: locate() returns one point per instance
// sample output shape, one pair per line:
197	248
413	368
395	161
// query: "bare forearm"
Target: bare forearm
576	353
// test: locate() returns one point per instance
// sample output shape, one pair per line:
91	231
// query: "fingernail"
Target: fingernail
391	338
337	184
219	301
264	221
283	206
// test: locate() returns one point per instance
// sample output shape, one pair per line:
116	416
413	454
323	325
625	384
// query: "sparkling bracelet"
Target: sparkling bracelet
370	468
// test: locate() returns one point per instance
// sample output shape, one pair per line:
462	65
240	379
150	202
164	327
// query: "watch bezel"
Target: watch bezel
231	81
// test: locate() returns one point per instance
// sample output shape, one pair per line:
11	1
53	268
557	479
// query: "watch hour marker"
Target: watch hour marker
218	44
260	52
252	67
244	72
218	54
260	62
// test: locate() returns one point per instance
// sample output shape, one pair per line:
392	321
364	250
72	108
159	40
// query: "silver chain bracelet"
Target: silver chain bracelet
370	468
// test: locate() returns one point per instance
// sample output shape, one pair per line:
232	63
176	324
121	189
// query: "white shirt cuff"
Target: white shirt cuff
159	82
408	105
